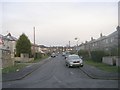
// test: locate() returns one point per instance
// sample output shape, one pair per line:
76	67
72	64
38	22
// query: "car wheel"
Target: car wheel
68	66
78	66
81	66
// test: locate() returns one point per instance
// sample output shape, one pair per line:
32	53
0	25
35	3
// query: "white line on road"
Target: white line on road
9	84
57	79
71	73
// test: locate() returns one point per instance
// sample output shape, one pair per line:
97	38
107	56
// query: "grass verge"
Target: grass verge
39	59
19	66
102	66
13	68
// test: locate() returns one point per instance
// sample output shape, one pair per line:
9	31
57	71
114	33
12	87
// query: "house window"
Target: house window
112	39
106	40
95	44
106	49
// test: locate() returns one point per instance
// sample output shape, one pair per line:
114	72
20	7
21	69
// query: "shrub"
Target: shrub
84	54
48	53
114	51
38	56
97	55
23	45
72	52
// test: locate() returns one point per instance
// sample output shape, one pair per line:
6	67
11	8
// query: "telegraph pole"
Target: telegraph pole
69	43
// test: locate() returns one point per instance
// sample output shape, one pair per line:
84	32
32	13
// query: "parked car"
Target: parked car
74	60
67	55
53	55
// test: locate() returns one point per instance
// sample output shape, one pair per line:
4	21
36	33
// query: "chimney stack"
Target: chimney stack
86	41
118	28
91	38
101	35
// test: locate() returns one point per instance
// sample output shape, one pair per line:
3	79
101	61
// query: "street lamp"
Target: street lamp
77	39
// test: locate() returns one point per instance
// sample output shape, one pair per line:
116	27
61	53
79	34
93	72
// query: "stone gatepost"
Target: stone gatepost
24	57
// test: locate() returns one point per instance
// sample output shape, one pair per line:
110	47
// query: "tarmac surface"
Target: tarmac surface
91	71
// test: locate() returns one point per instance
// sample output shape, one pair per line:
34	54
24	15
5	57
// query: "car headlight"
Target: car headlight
81	61
71	62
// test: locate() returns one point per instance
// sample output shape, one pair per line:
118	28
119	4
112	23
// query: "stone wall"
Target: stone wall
23	59
6	58
111	60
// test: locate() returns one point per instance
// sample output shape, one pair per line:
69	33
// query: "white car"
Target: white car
53	55
74	60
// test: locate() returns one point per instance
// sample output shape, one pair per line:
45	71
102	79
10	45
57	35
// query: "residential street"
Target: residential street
41	41
54	74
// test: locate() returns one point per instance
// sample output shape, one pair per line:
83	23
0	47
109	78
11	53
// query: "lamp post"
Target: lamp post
77	39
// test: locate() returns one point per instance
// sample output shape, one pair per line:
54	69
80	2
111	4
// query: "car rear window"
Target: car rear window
74	57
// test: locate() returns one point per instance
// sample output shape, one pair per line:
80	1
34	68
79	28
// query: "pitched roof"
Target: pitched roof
10	37
3	37
42	46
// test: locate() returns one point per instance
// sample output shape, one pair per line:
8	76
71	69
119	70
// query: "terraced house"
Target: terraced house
109	44
106	43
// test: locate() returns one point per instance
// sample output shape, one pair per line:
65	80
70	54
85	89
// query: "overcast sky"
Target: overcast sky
57	23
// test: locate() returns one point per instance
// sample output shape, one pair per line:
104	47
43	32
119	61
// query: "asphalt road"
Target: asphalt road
54	74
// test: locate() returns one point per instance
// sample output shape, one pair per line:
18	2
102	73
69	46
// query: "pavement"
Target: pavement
91	71
96	73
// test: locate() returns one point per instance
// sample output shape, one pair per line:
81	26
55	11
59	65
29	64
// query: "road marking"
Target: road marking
71	73
57	79
9	84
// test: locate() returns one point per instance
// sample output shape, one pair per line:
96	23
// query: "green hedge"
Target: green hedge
72	52
114	51
38	56
84	54
97	55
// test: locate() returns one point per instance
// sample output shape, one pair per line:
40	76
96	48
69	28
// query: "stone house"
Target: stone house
11	44
5	53
34	48
44	49
108	43
102	43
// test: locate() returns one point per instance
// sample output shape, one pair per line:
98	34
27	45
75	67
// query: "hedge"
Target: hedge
84	54
97	55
